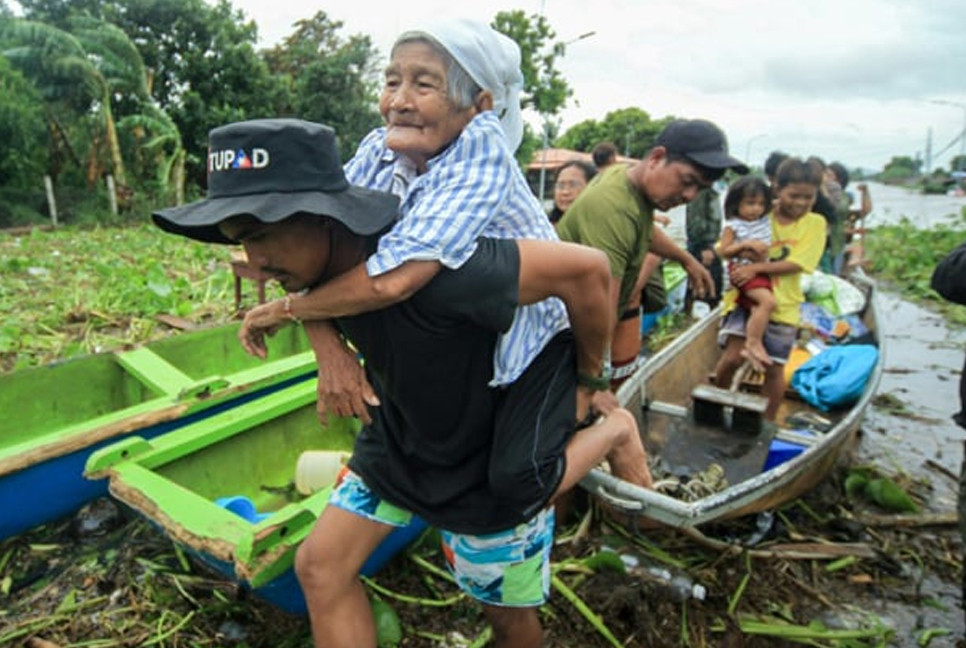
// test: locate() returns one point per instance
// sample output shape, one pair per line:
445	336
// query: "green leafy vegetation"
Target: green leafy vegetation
903	257
73	290
92	88
864	482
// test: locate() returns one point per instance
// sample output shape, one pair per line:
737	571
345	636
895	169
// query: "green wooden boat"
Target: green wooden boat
54	416
190	481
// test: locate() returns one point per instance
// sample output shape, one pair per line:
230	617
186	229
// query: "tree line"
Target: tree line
128	90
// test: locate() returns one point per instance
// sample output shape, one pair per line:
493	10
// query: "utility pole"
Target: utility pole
929	150
962	134
545	123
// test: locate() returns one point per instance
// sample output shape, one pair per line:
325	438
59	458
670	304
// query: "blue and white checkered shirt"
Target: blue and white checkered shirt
474	188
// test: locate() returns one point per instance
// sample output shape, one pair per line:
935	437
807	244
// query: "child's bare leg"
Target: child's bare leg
754	351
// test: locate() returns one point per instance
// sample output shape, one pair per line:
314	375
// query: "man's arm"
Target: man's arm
865	202
348	294
652	264
580	276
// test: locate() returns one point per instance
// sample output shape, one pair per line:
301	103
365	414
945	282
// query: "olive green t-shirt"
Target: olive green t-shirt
613	216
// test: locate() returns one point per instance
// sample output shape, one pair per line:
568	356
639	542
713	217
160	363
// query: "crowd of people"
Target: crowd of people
493	333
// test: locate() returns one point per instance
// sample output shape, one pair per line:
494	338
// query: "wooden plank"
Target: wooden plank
728	398
154	371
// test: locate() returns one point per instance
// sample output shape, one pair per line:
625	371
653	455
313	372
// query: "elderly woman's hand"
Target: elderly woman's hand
265	319
343	389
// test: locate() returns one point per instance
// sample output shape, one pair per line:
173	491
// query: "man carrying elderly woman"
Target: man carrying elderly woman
452	121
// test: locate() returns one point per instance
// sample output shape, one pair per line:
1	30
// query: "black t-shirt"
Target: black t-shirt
430	359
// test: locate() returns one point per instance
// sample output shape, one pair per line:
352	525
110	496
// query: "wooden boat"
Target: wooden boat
56	415
188	481
763	467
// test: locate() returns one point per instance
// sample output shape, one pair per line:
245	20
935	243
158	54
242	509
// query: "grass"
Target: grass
904	258
74	291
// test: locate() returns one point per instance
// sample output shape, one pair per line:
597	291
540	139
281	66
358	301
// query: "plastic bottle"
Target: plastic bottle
679	587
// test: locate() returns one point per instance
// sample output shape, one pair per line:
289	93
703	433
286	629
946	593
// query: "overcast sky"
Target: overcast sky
848	80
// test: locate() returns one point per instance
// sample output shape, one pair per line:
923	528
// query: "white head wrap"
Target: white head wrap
493	61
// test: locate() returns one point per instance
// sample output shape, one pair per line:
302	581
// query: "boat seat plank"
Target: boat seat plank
154	371
670	409
727	398
708	403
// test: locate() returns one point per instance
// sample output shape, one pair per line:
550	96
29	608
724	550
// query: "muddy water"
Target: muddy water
923	360
891	204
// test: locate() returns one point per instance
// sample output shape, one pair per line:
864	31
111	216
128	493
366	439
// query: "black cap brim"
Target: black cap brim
363	211
718	160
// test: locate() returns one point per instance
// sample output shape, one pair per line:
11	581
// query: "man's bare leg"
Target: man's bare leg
327	565
514	627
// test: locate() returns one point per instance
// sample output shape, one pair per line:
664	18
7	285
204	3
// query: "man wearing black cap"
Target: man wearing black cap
482	464
615	213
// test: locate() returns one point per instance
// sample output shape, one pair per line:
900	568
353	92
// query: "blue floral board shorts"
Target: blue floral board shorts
778	339
508	568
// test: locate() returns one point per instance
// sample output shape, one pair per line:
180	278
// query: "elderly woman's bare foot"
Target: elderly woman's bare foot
628	459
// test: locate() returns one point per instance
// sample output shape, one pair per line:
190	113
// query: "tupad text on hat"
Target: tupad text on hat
231	159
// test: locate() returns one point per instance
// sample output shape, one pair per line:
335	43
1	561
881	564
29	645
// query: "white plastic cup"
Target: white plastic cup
317	469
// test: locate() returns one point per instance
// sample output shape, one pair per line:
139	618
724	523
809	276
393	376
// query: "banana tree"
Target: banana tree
82	70
160	137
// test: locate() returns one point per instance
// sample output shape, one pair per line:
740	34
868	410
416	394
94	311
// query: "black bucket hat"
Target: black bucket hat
272	169
700	141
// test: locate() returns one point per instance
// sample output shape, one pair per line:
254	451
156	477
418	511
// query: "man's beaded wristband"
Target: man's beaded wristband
287	308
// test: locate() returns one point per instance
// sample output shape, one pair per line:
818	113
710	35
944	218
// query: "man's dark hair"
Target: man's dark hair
841	173
604	153
774	159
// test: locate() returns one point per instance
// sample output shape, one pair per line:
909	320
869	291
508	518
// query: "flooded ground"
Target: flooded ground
890	204
910	430
923	359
